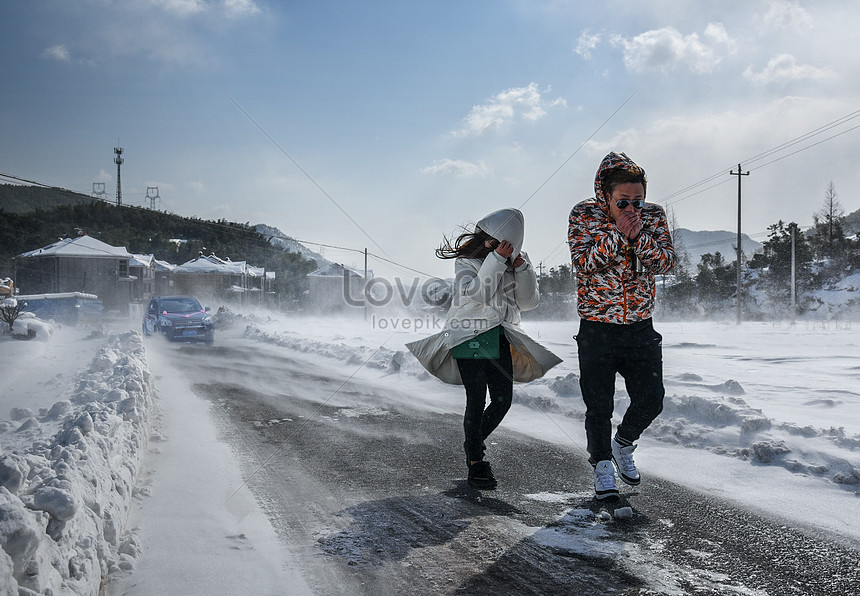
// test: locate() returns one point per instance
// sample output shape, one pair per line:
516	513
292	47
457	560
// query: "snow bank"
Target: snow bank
65	495
29	326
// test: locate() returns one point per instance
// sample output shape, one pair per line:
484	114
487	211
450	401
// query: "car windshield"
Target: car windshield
181	306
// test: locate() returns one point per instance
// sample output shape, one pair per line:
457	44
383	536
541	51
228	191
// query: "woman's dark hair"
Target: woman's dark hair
468	244
617	176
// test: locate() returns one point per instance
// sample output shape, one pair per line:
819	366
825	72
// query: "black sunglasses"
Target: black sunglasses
637	203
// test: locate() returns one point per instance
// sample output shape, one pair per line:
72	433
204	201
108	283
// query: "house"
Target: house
82	264
335	286
141	268
163	283
212	277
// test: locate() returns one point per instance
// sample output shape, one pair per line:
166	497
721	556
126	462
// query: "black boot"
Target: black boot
481	475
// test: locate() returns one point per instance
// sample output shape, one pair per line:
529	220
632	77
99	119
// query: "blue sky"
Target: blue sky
388	124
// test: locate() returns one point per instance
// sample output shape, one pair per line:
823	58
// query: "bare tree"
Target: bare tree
829	219
682	258
9	311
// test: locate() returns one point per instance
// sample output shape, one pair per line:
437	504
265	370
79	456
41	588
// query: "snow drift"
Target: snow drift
66	491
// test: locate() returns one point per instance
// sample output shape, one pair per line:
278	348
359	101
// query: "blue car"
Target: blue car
178	318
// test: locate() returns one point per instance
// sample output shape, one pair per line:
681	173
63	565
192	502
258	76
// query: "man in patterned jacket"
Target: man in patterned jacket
617	243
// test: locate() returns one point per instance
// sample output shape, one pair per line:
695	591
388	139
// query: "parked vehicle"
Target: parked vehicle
69	308
178	318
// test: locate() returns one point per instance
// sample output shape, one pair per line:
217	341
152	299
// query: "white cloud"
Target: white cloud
197	186
167	32
187	8
458	168
504	107
787	15
181	7
59	52
240	8
785	68
103	176
587	42
667	49
716	32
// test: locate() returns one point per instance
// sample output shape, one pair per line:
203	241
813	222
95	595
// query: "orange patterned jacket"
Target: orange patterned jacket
615	279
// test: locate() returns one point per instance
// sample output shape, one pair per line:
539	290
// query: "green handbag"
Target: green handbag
485	345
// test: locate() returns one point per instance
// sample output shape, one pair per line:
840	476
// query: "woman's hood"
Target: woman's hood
505	224
613	161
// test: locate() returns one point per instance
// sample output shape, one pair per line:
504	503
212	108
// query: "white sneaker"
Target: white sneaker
604	480
623	458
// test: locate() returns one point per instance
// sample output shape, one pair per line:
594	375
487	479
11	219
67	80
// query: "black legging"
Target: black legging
479	375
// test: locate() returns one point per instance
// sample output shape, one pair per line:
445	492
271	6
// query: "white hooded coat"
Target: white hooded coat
488	294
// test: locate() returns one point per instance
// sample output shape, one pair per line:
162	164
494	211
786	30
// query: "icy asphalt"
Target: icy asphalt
366	491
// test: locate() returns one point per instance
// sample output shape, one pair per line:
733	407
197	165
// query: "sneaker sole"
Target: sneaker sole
626	479
607	495
484	484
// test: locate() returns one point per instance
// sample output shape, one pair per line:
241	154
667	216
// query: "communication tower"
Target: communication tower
152	195
99	191
118	161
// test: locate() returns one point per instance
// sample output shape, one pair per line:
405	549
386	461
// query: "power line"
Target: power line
682	193
302	170
808	147
612	115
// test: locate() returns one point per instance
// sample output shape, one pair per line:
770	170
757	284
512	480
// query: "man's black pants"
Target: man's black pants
635	352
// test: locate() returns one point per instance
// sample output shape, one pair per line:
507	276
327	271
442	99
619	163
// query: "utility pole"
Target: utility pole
118	161
793	228
365	283
739	173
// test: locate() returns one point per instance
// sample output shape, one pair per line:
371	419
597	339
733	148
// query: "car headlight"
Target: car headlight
165	322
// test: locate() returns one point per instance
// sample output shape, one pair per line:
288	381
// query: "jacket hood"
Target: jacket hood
613	161
505	224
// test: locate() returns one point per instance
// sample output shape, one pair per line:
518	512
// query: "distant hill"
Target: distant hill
697	244
23	200
278	238
26	199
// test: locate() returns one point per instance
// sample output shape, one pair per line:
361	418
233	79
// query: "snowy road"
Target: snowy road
366	490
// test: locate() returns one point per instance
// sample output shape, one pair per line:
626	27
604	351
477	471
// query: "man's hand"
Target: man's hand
629	223
505	249
518	261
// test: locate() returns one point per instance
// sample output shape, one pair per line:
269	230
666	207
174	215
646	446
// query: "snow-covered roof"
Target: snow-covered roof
141	260
210	264
164	266
57	295
81	246
334	270
205	264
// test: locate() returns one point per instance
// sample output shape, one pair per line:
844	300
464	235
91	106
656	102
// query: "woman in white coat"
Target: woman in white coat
494	282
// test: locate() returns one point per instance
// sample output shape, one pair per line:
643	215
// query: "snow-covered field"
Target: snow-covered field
765	415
